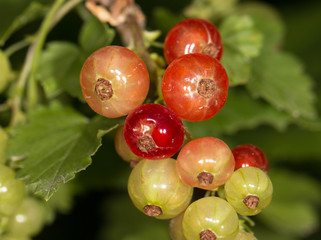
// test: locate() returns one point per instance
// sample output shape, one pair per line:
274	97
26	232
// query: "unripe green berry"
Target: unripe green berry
249	190
28	220
155	188
210	218
12	191
245	236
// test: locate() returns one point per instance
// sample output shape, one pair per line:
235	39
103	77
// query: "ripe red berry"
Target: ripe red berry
153	131
193	36
205	163
195	86
114	81
248	155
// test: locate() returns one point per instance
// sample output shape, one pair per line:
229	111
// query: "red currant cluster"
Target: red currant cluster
115	83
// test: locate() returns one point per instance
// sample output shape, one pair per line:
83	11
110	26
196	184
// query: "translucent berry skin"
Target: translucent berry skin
248	155
182	91
193	36
157	183
210	213
114	81
207	154
245	236
157	124
12	191
28	219
248	181
176	227
122	148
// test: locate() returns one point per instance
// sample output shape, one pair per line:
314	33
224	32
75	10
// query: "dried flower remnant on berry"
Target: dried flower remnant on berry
211	50
206	88
205	178
146	144
104	89
207	235
152	210
251	201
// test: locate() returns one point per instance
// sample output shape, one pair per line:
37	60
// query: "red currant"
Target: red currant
195	86
114	81
205	163
193	36
248	155
153	131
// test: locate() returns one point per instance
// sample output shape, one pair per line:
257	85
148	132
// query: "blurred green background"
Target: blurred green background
96	202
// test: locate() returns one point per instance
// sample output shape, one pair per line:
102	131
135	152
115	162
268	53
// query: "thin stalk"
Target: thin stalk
32	96
16	47
32	58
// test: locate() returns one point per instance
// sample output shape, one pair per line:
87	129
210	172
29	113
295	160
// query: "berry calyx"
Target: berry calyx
207	235
152	210
114	81
249	155
251	201
195	86
193	36
205	179
104	89
153	131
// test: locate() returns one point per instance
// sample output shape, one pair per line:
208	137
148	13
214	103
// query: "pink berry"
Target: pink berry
205	163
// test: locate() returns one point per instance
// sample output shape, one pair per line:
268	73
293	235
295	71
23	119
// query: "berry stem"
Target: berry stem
30	65
32	95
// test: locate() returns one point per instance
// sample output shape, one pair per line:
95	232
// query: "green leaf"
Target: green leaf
108	170
279	79
32	12
292	145
164	19
120	212
55	144
306	189
9	11
5	71
240	34
94	35
242	41
262	232
237	67
239	112
210	9
59	69
267	20
297	219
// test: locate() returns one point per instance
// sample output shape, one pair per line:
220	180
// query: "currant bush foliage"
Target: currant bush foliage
273	102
